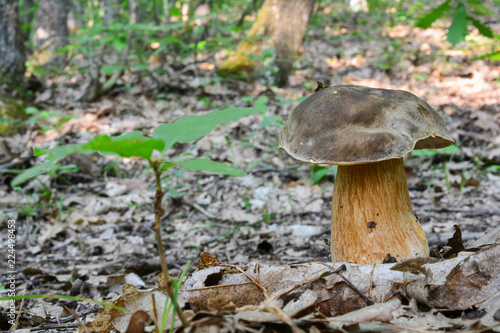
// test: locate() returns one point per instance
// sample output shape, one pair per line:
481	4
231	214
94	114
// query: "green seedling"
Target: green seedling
135	144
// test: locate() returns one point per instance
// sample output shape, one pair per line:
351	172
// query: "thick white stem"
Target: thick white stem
372	215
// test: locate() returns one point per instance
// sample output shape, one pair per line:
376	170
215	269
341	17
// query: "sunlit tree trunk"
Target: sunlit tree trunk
12	55
51	32
280	24
358	5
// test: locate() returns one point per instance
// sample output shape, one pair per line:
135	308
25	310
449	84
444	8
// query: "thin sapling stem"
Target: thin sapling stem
155	164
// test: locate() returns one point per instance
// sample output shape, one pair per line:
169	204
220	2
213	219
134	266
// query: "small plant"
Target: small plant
184	130
43	121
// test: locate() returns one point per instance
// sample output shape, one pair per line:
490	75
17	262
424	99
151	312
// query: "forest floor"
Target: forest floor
89	233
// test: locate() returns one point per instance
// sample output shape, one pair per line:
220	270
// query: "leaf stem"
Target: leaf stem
155	164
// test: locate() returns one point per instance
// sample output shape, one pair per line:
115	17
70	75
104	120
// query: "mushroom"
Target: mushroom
366	132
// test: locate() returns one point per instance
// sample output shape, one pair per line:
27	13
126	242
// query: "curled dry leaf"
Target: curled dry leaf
137	322
469	280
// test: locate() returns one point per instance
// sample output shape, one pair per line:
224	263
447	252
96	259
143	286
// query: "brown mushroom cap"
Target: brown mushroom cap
354	125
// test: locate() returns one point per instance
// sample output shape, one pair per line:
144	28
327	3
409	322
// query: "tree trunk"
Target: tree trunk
26	17
111	10
51	32
280	24
12	55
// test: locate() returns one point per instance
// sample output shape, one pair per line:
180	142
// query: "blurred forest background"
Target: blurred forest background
73	70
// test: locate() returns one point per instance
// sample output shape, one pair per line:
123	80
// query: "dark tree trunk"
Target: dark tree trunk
12	55
280	24
51	32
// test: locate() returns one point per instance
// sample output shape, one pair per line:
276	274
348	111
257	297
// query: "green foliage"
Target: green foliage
192	128
46	120
318	172
493	168
271	120
134	144
458	28
40	121
451	150
171	307
206	164
391	56
483	30
427	20
460	12
128	145
56	154
175	35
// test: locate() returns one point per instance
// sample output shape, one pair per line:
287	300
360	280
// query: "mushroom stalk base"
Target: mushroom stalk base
372	217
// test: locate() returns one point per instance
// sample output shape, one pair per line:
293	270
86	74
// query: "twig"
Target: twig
199	208
14	326
221	286
53	326
303	284
92	309
272	307
349	283
371	282
77	318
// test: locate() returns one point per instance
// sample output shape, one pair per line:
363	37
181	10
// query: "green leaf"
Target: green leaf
493	168
60	152
31	173
424	152
119	44
458	28
31	110
174	11
431	152
271	120
426	21
56	154
167	165
319	172
110	69
450	150
206	164
495	56
483	30
128	145
481	9
192	128
201	45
